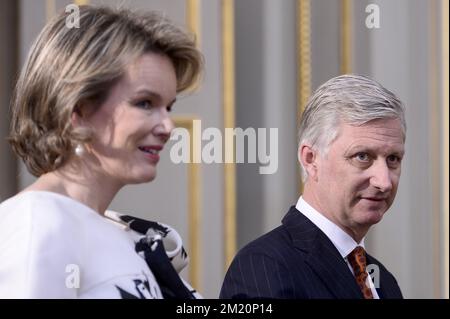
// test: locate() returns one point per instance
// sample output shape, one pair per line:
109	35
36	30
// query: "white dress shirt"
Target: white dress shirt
343	242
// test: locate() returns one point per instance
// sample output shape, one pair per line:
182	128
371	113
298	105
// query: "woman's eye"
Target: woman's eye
145	104
169	108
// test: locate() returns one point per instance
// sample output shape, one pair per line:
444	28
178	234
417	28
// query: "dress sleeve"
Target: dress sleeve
38	255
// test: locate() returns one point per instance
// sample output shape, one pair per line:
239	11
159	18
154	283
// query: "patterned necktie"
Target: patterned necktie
357	259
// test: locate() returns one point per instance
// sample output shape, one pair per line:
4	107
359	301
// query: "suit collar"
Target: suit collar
377	273
343	242
322	256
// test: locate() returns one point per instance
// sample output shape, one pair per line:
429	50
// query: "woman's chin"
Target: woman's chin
149	178
142	178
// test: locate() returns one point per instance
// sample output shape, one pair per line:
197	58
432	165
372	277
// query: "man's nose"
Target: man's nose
381	176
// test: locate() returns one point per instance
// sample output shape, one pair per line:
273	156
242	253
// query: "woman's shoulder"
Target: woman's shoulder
20	199
22	206
41	201
40	210
39	241
34	221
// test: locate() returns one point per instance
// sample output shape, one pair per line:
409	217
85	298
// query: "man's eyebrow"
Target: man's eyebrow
365	148
358	147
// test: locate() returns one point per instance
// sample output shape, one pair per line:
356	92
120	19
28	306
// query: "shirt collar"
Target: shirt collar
340	239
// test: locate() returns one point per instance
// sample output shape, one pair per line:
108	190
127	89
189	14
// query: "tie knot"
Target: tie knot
357	259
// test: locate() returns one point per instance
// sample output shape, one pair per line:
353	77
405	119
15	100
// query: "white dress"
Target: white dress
52	246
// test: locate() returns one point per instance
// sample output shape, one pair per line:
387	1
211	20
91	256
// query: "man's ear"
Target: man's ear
308	156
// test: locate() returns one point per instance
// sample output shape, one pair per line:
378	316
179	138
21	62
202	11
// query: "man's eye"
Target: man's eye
169	108
363	157
145	104
394	159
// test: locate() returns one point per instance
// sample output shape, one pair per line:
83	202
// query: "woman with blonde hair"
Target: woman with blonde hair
90	114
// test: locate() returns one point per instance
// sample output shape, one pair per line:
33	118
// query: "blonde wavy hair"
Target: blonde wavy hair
67	67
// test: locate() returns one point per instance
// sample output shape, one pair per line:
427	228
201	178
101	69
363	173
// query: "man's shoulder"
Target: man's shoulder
378	271
372	261
275	240
272	265
284	232
275	243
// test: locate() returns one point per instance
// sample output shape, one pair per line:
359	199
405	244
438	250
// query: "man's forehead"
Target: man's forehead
376	146
390	128
384	134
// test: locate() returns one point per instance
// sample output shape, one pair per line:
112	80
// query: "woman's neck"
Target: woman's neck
90	188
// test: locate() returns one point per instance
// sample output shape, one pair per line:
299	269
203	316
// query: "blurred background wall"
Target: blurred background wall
263	58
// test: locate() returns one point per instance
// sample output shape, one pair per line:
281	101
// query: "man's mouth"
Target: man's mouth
375	199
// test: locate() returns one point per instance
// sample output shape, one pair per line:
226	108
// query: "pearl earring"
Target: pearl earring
79	150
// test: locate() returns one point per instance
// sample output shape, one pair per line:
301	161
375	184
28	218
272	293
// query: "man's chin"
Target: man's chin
371	217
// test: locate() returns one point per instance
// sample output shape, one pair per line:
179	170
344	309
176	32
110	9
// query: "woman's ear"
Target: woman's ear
80	114
77	116
308	156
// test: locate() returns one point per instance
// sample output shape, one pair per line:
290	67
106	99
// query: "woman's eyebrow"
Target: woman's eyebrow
153	94
148	93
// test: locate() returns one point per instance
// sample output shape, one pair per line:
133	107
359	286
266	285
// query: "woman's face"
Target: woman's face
133	124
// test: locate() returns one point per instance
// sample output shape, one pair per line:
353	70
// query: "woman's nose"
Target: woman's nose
165	126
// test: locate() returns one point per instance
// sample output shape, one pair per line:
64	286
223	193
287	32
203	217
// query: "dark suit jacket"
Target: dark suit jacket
297	260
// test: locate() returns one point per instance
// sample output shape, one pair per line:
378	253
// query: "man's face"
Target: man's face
357	178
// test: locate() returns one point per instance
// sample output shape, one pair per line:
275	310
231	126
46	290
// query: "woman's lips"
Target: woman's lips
151	152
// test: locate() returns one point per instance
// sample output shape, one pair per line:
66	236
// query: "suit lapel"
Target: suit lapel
323	258
386	286
332	269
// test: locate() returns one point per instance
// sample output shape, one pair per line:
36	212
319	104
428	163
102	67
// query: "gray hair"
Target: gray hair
352	99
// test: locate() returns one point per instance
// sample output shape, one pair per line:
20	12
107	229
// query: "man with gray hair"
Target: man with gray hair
352	136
